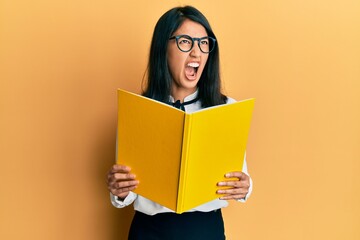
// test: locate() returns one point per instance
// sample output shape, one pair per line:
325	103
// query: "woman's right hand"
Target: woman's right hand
120	181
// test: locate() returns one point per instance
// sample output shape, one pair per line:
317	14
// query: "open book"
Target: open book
179	157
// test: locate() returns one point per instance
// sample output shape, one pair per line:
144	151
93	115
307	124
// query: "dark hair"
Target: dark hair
159	80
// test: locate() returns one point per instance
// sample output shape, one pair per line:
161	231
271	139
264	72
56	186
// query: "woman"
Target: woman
184	71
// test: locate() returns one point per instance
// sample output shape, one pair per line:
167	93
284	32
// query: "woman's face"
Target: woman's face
186	67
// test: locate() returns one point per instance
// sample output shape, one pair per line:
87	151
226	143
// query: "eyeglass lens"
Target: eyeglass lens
186	43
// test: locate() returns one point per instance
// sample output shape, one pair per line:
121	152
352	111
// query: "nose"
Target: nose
195	51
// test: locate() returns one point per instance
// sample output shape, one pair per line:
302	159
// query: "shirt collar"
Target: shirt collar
187	98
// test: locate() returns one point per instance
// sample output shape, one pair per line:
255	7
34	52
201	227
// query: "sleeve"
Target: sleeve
245	170
230	100
116	202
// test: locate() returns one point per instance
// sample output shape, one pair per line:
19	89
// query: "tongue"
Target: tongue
190	72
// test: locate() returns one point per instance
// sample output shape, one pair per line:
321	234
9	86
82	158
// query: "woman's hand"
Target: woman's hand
239	186
120	181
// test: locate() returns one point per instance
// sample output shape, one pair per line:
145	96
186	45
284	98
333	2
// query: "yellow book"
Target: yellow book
179	157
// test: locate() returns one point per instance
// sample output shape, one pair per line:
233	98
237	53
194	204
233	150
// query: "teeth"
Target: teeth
195	65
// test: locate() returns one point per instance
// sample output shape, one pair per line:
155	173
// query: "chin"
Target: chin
191	85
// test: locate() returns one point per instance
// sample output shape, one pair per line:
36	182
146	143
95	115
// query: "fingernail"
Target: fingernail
221	184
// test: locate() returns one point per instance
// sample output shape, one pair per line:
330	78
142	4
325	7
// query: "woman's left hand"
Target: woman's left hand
238	188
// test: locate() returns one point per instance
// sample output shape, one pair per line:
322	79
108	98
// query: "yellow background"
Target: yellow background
62	61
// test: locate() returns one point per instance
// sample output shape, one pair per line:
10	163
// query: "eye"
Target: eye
204	42
184	41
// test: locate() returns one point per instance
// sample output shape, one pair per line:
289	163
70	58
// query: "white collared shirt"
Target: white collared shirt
149	207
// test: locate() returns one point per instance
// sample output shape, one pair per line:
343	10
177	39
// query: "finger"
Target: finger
125	184
236	197
120	168
239	175
232	191
235	184
114	177
122	176
229	184
122	192
119	187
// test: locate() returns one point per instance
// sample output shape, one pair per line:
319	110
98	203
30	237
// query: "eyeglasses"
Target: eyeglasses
185	43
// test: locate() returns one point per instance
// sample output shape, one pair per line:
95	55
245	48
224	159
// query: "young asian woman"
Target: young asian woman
184	71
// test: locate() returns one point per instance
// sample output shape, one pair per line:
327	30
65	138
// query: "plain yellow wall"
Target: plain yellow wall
62	61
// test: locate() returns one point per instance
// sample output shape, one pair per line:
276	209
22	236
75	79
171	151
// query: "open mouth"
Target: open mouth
191	70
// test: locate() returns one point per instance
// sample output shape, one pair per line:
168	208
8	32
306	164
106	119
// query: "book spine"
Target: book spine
184	163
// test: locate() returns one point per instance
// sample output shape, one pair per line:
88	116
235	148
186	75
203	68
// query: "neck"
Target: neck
179	94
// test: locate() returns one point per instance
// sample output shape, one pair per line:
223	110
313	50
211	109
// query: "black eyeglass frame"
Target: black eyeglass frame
193	41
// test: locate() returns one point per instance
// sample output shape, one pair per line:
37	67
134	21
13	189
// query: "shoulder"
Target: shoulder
230	100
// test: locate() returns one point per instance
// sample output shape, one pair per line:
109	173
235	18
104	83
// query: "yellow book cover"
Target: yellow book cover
179	157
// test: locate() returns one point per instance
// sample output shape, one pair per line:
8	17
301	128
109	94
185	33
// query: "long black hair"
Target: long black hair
159	80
